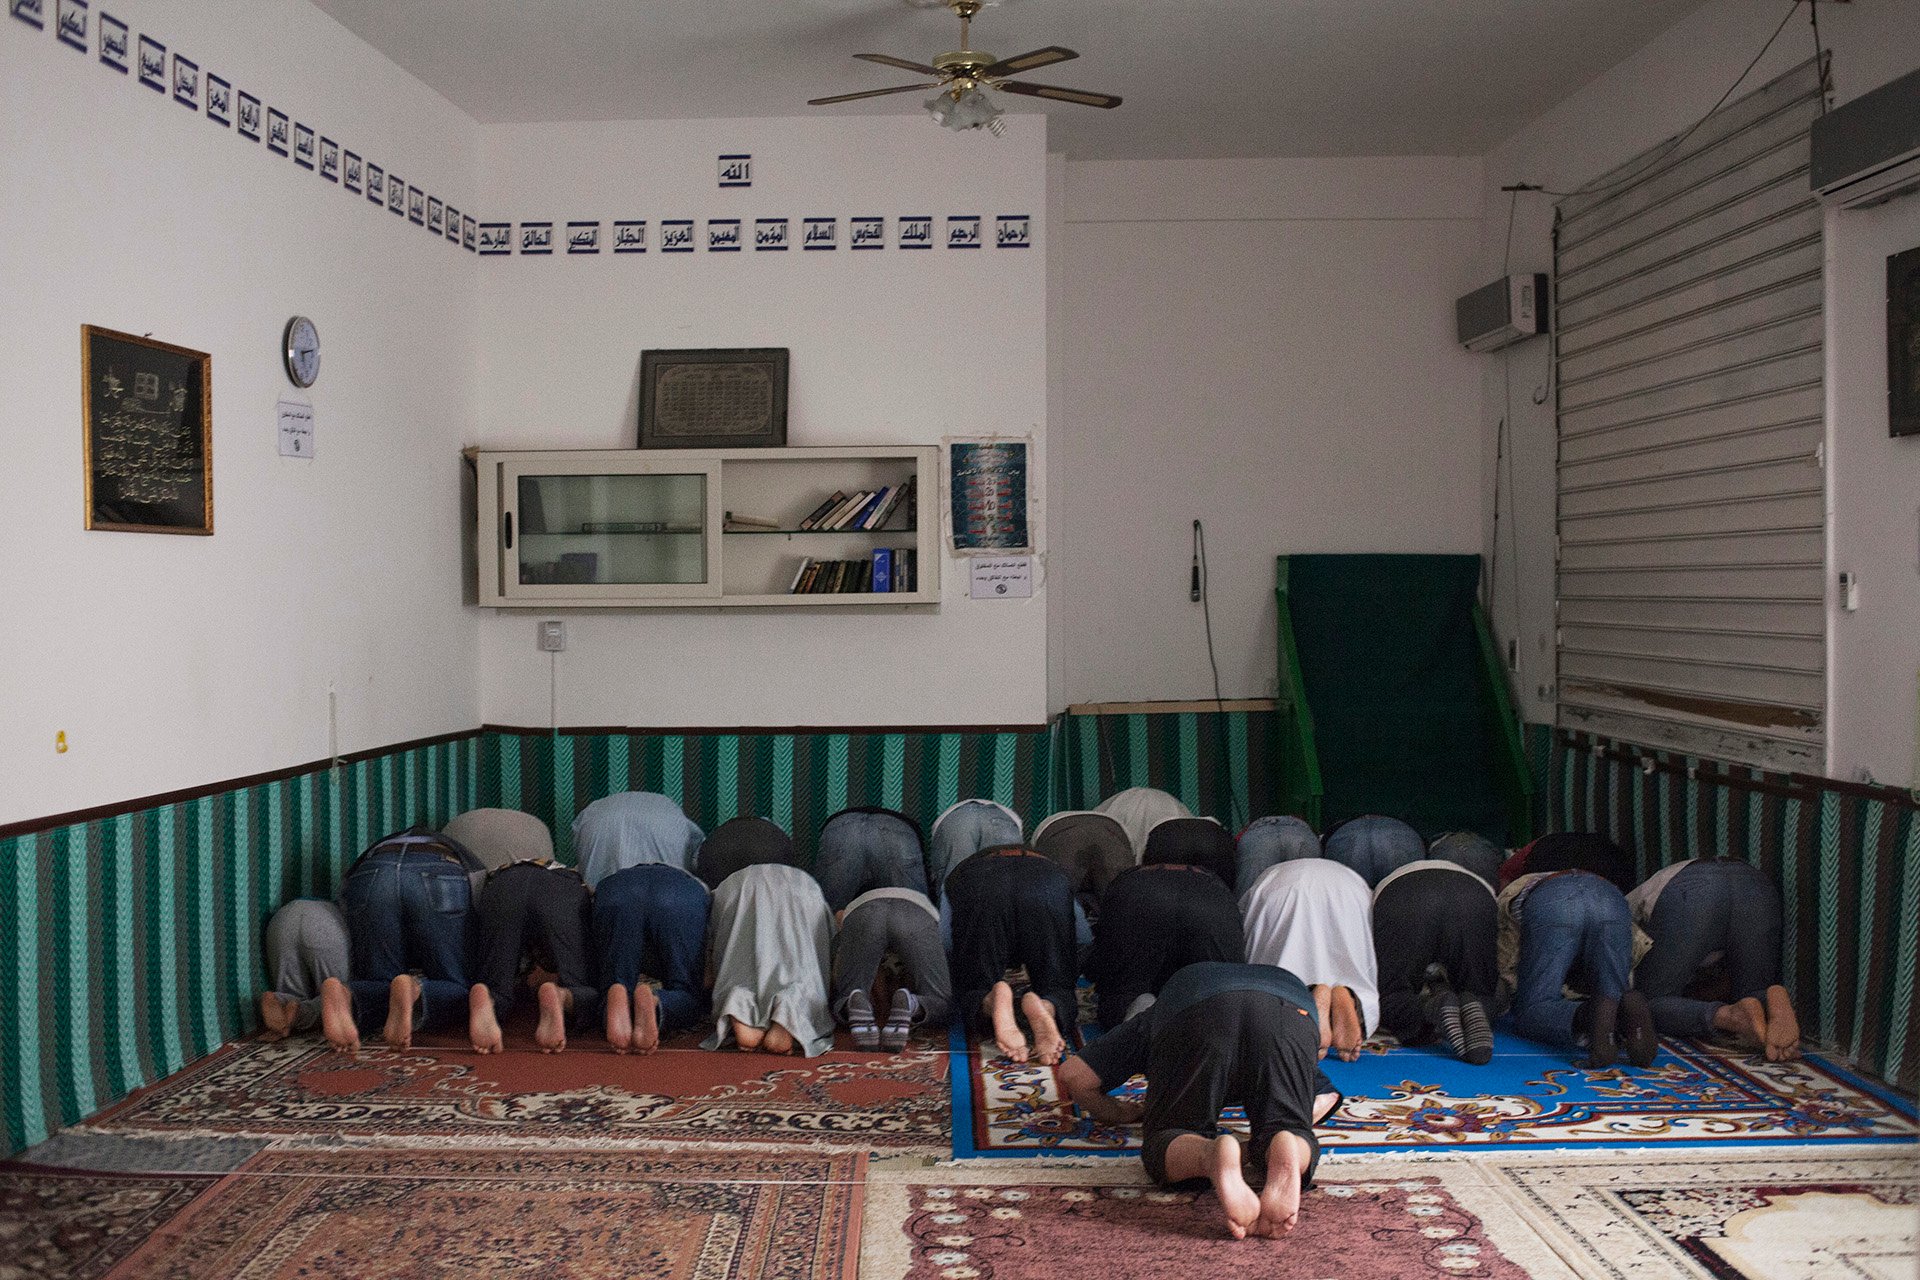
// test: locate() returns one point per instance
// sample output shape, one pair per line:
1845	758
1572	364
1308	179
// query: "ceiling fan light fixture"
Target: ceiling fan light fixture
968	109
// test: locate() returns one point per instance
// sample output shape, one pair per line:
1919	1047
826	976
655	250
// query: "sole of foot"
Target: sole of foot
1347	1032
402	994
1323	1005
276	1015
1049	1046
646	1019
1637	1031
1237	1199
551	1032
748	1038
483	1025
336	1016
1006	1028
1783	1026
779	1041
619	1020
1746	1021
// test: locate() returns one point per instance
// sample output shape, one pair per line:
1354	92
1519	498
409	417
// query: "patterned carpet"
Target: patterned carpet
299	1087
1526	1097
366	1214
79	1224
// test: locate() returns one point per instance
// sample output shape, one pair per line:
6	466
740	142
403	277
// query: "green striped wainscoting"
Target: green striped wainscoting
135	944
798	780
1846	858
1220	764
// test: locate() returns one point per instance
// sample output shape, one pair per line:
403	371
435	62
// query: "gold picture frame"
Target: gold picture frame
146	429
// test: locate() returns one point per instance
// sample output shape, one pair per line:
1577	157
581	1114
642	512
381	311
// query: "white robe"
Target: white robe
1314	918
1139	810
771	936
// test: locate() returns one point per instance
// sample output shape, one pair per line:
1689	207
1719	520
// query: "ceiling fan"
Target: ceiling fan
962	74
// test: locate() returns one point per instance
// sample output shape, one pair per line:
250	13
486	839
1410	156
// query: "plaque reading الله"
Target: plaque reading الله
714	400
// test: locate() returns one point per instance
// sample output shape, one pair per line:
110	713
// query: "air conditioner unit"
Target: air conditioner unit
1505	312
1868	151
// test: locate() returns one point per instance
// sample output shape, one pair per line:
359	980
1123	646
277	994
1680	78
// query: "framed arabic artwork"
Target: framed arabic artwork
716	398
146	412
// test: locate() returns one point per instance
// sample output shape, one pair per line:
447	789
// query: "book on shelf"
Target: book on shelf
863	518
882	569
820	512
846	510
749	522
901	493
806	563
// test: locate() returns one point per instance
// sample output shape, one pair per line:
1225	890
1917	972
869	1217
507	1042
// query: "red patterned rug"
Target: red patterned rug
886	1102
389	1215
78	1224
1017	1221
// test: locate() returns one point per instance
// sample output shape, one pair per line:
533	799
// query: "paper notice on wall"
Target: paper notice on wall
296	429
1001	578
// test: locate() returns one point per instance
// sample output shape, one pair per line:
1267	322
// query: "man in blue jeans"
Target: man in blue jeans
1705	907
406	902
1562	926
867	848
650	937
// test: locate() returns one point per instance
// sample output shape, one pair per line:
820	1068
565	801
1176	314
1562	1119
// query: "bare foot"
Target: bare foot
1745	1021
779	1040
555	1001
1346	1026
276	1011
619	1025
1323	1002
1280	1199
1006	1028
402	994
1230	1184
336	1016
748	1038
1783	1026
1323	1105
646	1019
1049	1046
483	1026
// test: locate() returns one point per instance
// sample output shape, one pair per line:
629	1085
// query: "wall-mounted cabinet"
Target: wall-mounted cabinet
627	528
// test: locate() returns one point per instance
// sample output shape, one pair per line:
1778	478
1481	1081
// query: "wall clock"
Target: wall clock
301	351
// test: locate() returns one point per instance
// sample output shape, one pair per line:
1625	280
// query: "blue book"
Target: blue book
882	569
871	505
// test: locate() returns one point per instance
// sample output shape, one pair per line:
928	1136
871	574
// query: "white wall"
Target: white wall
1266	346
173	662
1874	654
887	346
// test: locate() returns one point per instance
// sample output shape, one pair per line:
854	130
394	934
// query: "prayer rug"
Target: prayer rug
461	1212
1526	1097
1382	1220
79	1224
1797	1214
677	1097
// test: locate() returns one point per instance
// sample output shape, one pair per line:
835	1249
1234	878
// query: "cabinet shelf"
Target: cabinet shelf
696	560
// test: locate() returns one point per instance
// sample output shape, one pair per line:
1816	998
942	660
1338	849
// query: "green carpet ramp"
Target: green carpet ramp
1394	699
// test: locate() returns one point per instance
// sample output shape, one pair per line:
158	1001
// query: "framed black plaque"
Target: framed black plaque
1903	343
721	398
146	413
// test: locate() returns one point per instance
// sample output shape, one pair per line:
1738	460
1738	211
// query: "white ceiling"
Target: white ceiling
1201	78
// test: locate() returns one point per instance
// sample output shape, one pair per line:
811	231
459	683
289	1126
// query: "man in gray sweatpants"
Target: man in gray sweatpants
306	945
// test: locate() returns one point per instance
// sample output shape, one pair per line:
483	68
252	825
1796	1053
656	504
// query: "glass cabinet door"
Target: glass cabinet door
573	530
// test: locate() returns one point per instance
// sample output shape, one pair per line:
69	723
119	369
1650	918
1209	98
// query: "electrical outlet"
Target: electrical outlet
553	637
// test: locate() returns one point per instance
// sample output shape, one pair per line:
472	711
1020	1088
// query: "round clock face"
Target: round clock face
302	351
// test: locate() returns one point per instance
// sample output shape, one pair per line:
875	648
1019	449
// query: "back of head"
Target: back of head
743	842
500	837
1375	846
1471	850
1193	842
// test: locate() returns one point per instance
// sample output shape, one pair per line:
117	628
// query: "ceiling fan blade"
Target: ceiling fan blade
869	93
1058	94
888	60
1029	61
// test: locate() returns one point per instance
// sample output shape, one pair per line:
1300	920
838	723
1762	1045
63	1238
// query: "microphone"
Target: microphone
1193	589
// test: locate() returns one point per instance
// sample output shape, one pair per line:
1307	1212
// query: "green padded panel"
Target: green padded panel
1391	664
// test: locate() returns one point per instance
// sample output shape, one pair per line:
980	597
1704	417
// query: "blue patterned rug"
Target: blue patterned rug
1528	1096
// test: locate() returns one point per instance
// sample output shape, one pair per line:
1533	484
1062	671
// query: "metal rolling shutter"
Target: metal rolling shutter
1689	367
